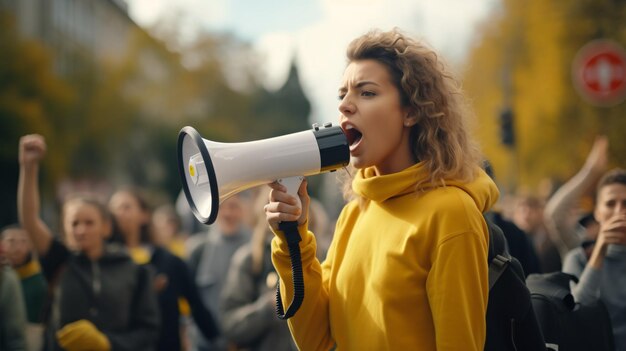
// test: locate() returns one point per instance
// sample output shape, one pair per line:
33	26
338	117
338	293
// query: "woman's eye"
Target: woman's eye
368	93
341	96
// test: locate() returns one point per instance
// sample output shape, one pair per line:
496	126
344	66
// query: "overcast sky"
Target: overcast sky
316	32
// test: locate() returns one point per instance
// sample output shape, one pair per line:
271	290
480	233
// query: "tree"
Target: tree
32	100
521	59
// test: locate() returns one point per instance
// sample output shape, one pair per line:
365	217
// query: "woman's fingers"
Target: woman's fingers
615	224
281	196
32	148
281	207
613	231
284	207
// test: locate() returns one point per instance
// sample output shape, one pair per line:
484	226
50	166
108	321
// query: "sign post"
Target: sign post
599	73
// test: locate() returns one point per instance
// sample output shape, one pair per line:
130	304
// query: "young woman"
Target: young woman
407	268
248	297
18	249
173	280
12	310
603	275
102	300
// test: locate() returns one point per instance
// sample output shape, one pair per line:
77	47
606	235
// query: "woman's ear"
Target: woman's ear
410	119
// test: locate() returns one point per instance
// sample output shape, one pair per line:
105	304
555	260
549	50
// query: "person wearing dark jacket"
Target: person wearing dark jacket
179	283
101	300
248	298
518	243
173	278
210	260
12	312
18	250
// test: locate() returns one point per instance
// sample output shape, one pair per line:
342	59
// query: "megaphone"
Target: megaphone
213	171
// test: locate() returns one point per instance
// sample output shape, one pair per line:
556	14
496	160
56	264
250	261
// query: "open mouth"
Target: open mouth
353	135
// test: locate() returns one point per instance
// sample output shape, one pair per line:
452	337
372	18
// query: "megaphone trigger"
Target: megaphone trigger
292	184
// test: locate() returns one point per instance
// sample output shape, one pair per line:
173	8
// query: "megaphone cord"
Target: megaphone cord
293	244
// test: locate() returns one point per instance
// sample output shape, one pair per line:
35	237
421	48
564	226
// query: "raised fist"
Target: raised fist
32	149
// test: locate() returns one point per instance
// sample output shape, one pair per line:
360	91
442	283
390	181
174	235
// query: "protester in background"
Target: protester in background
17	249
12	311
248	298
518	242
102	300
173	279
167	230
603	275
407	268
589	232
569	225
168	235
211	259
528	216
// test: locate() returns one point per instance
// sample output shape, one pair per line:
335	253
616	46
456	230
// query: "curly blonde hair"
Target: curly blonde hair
440	138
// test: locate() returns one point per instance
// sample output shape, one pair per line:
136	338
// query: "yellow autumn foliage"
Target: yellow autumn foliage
522	59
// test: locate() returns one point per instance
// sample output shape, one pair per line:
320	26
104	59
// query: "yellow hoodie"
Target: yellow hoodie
405	271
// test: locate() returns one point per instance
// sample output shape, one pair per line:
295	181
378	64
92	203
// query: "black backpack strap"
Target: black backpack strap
497	266
498	256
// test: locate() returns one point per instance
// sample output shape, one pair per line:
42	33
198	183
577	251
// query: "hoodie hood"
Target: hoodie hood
384	187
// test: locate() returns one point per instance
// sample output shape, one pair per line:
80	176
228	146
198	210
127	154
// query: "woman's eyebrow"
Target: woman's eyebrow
365	82
358	85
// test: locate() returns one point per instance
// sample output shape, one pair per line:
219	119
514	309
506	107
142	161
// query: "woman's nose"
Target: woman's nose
346	107
620	208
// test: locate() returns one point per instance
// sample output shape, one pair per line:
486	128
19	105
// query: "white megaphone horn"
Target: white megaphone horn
213	171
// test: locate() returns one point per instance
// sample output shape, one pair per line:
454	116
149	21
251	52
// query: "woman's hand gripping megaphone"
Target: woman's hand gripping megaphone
288	201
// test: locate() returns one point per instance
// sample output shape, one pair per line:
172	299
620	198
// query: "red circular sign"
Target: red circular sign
599	72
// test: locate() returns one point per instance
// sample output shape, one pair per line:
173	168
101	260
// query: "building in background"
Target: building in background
98	31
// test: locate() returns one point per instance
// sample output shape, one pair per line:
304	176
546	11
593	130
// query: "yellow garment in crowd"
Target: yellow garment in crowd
29	269
82	335
141	255
405	271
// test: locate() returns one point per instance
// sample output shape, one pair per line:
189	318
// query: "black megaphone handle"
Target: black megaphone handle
293	243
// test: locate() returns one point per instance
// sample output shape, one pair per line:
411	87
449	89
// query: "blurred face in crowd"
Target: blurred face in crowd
85	227
166	226
231	215
528	215
373	118
16	246
592	229
610	202
128	213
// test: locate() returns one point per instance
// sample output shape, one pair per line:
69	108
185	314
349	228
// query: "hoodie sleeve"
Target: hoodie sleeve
457	289
310	326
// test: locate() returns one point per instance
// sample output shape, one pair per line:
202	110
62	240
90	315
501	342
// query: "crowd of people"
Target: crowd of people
405	268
